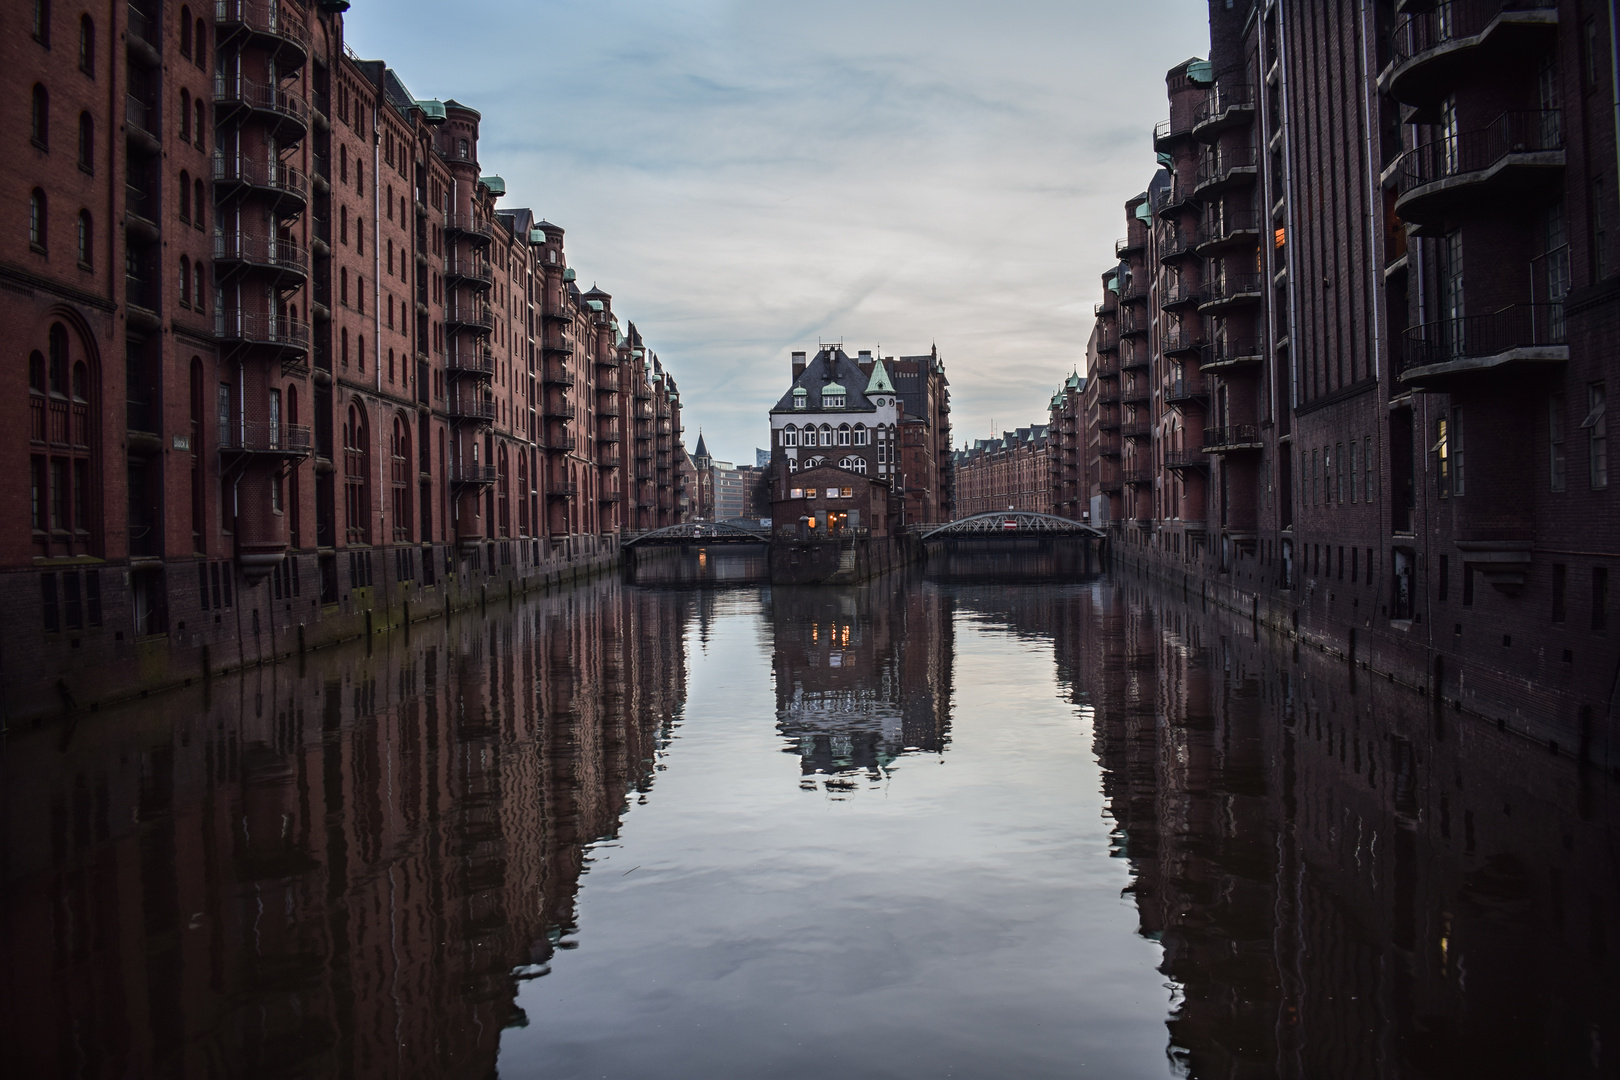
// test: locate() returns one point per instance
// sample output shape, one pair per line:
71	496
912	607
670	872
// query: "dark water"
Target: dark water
915	829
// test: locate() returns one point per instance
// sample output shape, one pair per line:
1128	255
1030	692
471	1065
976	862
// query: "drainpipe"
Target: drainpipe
376	305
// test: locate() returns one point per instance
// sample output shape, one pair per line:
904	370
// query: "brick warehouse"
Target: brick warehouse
1349	370
1012	472
353	387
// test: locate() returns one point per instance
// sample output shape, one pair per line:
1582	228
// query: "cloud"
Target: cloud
748	177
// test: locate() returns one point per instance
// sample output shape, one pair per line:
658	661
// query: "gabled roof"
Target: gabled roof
832	368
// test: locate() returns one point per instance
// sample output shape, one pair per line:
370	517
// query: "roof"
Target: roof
880	382
831	371
702	449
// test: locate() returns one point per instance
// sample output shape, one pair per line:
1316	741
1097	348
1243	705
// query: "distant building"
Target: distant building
1009	473
762	458
1066	452
886	419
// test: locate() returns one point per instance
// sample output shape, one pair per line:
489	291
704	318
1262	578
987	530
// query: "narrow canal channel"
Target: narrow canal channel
955	827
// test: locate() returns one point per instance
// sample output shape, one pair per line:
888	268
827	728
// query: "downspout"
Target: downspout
377	518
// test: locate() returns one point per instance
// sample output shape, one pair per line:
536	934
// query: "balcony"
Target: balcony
1225	355
263	437
467	361
1485	169
1516	339
562	489
1234	228
1174	244
275	253
1112	484
1433	49
479	230
1185	391
607	408
1226	291
1107	341
252	328
144	42
1181	197
284	183
1167	133
1136	430
472	408
1182	460
467	475
141	123
1232	438
1132	323
460	268
1106	367
1226	167
473	316
1126	246
1182	340
1229	105
276	25
1135	291
556	375
1180	294
286	111
1138	477
1137	360
557	407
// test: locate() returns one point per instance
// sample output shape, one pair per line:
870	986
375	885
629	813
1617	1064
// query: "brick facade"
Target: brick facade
1350	367
1010	473
284	357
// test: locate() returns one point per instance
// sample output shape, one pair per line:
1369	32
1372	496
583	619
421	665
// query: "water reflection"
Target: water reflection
361	865
862	676
334	868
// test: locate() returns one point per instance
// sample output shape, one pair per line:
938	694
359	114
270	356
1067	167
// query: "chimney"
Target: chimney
798	364
864	359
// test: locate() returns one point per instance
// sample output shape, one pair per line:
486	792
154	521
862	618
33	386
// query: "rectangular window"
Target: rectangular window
847	493
1597	435
1445	578
1468	585
72	604
59	493
1315	484
37	494
1600	597
1555	441
1456	445
1560	579
1354	455
796	493
47	585
225	415
92	596
1367	462
1338	474
1442	454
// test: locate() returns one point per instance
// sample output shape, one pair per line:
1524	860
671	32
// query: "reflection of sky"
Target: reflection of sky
966	920
747	176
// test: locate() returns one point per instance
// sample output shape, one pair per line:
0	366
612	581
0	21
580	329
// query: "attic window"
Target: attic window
800	397
832	401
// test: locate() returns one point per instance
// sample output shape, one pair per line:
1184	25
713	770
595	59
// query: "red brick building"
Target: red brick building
1351	364
1013	472
287	365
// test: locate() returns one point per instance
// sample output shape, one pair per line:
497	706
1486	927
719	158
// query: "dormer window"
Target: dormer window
801	397
832	401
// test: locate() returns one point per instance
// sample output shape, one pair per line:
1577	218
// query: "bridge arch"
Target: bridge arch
1011	523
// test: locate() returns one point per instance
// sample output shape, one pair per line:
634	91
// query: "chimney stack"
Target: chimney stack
798	364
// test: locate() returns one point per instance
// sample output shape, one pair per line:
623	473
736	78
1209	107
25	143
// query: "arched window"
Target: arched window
343	298
201	44
199	292
185	115
185	281
360	177
87	46
42	22
199	205
62	397
359	236
400	480
843	435
356	476
57	372
360	350
40	118
87	142
87	239
826	435
37	223
185	196
343	346
202	124
790	436
343	175
861	435
390	365
503	493
854	464
523	493
185	32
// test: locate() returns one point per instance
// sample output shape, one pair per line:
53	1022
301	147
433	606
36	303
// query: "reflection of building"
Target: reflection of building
1345	882
332	874
1008	473
863	675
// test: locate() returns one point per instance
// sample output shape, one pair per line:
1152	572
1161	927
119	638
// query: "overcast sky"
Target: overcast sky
751	177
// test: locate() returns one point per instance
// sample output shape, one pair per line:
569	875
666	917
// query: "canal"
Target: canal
943	826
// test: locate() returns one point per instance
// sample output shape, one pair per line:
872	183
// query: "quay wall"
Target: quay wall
314	601
839	562
1567	712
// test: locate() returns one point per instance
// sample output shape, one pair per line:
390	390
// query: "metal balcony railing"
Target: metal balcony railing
261	97
267	251
1221	163
1424	31
465	268
1532	132
1228	287
556	375
468	225
1231	435
1185	459
255	328
481	316
142	28
140	116
1223	101
1517	326
470	361
1183	390
270	175
1230	352
472	408
1219	228
263	437
465	473
267	17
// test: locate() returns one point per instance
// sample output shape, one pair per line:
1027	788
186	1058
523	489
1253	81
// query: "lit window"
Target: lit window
796	493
